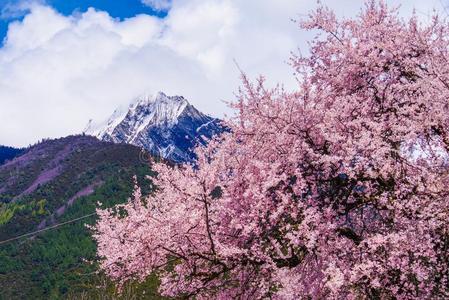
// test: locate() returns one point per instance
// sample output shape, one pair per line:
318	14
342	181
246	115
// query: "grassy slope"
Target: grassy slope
53	264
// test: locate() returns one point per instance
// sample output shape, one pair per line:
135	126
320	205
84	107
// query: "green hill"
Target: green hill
54	182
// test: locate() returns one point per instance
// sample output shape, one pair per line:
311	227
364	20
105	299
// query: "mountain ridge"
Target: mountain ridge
166	126
8	153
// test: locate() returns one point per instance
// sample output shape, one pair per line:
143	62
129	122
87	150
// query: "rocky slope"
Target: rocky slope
166	126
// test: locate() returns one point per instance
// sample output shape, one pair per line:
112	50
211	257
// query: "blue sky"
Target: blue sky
64	63
116	8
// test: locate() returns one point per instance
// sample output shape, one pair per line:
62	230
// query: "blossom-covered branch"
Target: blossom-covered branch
338	190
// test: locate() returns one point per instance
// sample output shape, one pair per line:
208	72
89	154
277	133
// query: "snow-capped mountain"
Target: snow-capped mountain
168	126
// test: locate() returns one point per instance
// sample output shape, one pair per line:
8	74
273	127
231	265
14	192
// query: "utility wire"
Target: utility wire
45	229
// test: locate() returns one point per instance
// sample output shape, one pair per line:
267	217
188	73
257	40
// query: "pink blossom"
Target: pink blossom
312	193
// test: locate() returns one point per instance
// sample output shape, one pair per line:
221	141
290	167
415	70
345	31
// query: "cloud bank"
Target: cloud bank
57	72
159	5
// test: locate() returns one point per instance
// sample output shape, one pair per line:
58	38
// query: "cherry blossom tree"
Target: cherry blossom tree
338	190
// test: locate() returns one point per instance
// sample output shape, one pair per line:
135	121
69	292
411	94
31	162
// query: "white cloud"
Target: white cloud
57	72
159	5
12	9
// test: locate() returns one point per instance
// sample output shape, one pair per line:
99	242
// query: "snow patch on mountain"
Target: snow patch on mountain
106	127
168	126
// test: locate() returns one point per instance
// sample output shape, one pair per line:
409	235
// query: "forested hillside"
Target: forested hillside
51	183
7	153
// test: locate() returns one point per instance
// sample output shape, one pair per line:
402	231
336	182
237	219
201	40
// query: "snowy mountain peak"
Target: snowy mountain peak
105	127
154	111
147	98
168	126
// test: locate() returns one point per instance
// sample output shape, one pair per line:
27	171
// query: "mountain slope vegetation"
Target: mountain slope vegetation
51	183
7	153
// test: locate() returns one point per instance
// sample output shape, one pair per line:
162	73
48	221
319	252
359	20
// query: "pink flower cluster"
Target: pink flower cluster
312	194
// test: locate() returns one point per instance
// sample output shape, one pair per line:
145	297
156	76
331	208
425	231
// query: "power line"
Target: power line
45	229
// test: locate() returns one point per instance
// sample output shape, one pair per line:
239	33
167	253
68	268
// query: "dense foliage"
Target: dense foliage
7	153
338	190
60	263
